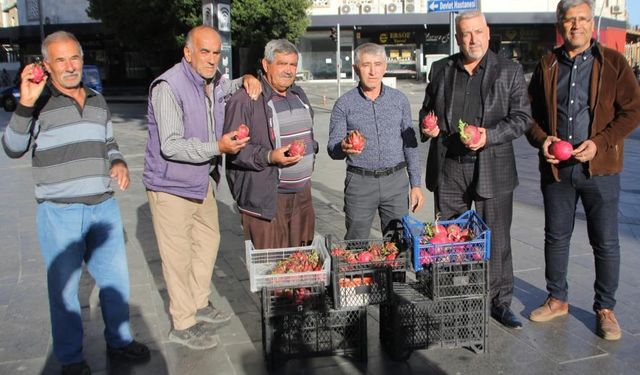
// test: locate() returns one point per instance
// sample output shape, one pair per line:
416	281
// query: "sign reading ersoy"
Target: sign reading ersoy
451	5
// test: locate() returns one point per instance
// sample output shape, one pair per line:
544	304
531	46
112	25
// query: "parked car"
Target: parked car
10	96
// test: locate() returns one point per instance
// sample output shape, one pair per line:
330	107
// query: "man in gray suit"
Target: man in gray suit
480	88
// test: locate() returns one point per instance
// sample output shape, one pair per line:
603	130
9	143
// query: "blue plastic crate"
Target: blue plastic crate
476	250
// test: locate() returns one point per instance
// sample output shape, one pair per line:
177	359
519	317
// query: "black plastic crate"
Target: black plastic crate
410	321
452	280
309	333
281	301
359	282
404	322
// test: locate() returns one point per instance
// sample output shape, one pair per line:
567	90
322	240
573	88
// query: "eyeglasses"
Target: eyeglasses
576	20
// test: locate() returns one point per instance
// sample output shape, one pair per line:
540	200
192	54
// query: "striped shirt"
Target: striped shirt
73	147
168	115
292	121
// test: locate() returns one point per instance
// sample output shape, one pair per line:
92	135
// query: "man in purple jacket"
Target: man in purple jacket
186	112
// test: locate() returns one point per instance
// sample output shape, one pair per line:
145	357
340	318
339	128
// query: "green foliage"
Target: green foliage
255	22
148	25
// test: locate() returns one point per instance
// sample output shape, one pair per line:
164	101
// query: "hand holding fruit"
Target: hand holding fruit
474	137
586	151
280	156
430	125
353	143
547	150
32	81
230	143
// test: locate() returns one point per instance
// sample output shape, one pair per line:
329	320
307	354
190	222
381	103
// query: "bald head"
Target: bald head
202	50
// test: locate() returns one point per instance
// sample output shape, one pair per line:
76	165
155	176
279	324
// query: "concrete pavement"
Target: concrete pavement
567	346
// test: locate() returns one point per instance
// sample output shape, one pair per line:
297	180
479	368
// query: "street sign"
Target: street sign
451	5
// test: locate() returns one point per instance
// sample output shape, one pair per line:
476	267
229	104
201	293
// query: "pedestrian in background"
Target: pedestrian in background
586	94
269	180
67	128
185	146
481	88
384	176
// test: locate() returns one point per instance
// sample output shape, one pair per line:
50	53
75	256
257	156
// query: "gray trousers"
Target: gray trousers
364	195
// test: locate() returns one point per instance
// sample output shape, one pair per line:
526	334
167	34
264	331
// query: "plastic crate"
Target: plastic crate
404	322
411	321
451	280
289	300
363	283
425	253
301	334
261	262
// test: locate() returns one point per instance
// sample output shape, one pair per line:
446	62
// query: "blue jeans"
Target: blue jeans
69	234
600	196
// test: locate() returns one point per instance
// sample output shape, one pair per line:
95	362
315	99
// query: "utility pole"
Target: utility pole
41	16
338	59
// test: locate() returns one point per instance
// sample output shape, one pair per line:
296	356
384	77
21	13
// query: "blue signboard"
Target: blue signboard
451	5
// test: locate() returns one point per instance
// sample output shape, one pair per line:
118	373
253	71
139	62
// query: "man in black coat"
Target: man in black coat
480	88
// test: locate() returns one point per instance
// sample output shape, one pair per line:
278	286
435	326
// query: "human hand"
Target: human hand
481	142
120	172
29	90
416	199
279	157
545	149
586	151
228	144
252	85
430	133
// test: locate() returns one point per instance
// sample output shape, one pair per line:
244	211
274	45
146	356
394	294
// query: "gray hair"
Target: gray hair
189	41
278	46
58	36
469	14
564	6
368	49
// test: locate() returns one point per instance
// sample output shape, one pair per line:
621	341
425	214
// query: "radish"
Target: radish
469	134
356	140
430	121
561	150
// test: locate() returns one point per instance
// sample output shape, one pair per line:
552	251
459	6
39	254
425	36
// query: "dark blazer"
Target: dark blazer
506	114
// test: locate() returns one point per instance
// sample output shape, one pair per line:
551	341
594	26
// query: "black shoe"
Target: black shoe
135	351
78	368
505	316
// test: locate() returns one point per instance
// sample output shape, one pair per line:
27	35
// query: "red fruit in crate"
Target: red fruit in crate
453	230
365	256
561	150
243	132
356	140
297	148
469	134
391	256
38	73
430	121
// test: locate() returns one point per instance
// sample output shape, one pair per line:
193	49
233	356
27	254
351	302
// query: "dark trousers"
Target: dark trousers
366	195
293	226
600	196
454	196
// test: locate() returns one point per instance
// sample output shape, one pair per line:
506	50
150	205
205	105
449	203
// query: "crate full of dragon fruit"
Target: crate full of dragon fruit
362	270
288	267
462	240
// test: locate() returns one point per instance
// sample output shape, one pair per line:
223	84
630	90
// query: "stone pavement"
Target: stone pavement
567	346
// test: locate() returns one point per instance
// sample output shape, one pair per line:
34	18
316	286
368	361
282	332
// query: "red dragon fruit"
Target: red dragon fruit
243	132
297	148
469	134
430	121
356	140
38	73
561	150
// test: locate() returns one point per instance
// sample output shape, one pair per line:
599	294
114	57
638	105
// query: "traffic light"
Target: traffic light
334	34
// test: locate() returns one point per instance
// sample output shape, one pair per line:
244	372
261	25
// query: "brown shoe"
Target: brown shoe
551	308
607	325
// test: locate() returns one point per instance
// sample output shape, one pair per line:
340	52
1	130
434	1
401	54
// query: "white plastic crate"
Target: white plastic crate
261	262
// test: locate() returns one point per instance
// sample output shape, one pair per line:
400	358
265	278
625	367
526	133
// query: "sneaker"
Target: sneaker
78	368
198	337
212	315
134	351
607	325
550	309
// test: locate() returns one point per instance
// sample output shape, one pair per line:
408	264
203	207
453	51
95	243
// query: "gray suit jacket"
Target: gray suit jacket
506	114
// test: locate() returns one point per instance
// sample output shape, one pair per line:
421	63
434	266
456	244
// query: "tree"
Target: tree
148	25
255	22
